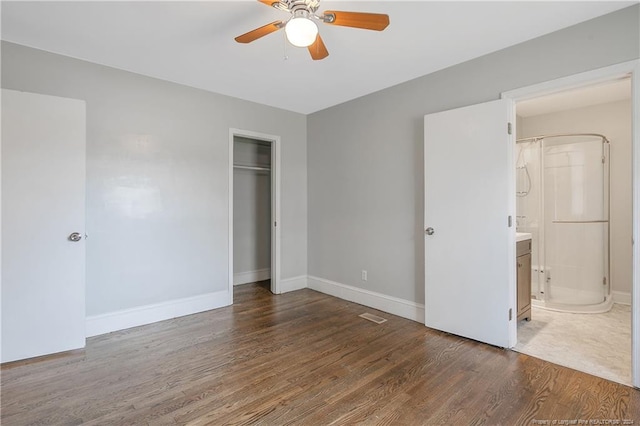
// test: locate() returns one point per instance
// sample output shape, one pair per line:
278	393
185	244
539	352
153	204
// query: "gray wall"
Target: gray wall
157	178
613	120
365	156
251	207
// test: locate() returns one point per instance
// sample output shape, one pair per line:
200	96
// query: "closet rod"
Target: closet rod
238	166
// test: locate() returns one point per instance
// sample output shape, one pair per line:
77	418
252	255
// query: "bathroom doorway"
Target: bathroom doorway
574	198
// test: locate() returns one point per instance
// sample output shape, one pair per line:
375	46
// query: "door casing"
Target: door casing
275	205
588	78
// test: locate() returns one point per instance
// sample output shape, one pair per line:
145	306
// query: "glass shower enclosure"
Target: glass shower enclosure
562	189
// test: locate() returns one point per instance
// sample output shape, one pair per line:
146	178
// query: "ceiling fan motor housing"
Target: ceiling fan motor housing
293	6
300	12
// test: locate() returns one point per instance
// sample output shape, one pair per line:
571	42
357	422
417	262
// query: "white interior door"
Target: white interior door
43	203
470	256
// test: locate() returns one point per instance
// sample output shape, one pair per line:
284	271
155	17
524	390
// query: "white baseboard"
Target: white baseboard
621	297
251	276
393	305
147	314
292	284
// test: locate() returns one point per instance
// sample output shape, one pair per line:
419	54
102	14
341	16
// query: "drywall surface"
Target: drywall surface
158	178
365	157
614	121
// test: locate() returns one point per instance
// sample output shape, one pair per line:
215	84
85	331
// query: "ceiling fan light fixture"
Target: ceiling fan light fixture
301	31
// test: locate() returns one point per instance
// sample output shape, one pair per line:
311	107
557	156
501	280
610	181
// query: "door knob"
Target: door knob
429	231
75	237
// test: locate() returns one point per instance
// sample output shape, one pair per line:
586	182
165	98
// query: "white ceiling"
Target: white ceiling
611	91
192	42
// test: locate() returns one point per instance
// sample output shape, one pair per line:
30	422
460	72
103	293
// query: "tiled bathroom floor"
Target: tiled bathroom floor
598	344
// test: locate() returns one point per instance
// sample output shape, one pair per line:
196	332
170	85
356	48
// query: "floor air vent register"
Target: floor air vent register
374	318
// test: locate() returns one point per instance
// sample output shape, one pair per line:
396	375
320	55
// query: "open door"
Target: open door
43	224
468	219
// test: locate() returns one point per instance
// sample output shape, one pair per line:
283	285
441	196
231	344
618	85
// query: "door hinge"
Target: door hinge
604	280
510	221
509	128
275	223
510	314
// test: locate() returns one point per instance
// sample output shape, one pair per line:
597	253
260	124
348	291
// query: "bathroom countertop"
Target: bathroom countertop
522	236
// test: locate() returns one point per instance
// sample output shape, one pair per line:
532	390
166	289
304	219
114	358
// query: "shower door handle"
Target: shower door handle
429	231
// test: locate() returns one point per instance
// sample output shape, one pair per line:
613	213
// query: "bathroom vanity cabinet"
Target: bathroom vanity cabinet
523	262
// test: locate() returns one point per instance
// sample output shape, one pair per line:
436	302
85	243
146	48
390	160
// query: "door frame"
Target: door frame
630	68
275	205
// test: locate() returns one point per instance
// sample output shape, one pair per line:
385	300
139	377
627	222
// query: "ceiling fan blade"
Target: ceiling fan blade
367	21
259	32
269	2
318	50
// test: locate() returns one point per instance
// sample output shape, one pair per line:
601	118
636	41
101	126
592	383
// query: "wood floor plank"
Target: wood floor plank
301	358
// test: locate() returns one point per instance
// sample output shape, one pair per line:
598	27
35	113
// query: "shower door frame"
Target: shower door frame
588	78
542	234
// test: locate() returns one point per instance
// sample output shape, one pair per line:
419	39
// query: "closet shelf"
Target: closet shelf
580	221
243	167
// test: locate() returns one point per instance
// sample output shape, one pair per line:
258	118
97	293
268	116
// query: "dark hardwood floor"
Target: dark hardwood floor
301	358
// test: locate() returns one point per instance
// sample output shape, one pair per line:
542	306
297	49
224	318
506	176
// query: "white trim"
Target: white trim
293	283
589	78
275	205
393	305
251	276
230	236
512	292
147	314
275	214
621	297
635	287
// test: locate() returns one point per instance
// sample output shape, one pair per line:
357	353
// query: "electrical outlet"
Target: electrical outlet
364	275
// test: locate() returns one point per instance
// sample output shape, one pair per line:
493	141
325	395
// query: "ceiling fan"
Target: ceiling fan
302	31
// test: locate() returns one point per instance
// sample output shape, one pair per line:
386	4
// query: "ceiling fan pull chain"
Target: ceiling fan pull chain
284	46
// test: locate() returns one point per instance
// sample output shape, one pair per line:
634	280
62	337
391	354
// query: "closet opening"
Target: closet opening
253	210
